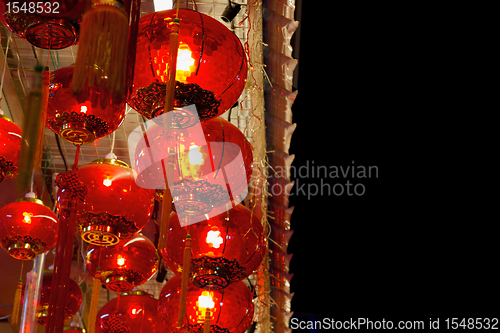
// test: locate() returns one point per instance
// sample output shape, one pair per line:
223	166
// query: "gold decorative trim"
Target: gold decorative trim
111	161
6	118
34	200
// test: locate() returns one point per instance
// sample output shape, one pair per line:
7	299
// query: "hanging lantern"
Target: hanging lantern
49	25
115	207
84	117
211	65
212	167
226	310
125	265
71	305
27	228
135	312
225	248
10	147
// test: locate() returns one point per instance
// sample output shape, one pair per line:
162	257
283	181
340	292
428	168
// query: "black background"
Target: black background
405	249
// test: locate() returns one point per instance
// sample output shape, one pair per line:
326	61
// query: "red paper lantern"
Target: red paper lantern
84	117
231	309
10	147
71	306
27	228
211	64
212	167
224	249
49	25
125	265
115	207
136	312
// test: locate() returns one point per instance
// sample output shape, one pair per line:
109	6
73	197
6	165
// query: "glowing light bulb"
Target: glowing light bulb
213	238
205	300
195	156
107	182
83	109
184	60
27	217
120	261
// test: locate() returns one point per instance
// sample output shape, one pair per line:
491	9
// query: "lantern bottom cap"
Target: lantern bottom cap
191	204
61	33
22	251
119	284
77	133
100	235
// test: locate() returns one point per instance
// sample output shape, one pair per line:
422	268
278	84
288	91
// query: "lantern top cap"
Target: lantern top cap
137	293
69	328
34	200
5	117
111	161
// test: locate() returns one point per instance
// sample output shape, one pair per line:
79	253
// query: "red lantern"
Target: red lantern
125	265
225	248
229	309
212	167
10	147
136	312
211	64
27	228
71	305
84	117
115	207
48	25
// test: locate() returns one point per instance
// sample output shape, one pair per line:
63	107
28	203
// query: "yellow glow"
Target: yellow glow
120	261
185	64
195	156
27	217
107	182
205	300
83	108
213	238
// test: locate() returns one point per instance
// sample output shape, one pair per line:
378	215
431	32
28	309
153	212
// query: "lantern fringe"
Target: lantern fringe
186	268
96	290
43	116
17	303
102	49
30	131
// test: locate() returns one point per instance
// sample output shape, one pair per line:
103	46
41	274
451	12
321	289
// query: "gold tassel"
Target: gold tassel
186	269
17	304
166	207
30	130
206	326
96	290
43	116
102	49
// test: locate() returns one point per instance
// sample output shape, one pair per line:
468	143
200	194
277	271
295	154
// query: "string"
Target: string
5	64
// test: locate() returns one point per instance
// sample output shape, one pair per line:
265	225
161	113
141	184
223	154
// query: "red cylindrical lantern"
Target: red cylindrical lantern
136	312
115	207
27	228
212	167
84	117
211	64
71	305
230	309
225	248
125	265
50	25
10	147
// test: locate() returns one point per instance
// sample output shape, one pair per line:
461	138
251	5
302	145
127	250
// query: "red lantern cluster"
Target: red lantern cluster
211	64
49	25
115	207
71	305
213	164
10	147
225	248
84	117
27	228
137	311
230	309
125	265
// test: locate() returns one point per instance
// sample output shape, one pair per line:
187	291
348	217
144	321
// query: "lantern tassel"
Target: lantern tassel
43	116
17	303
166	207
96	290
206	326
102	49
30	130
186	268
